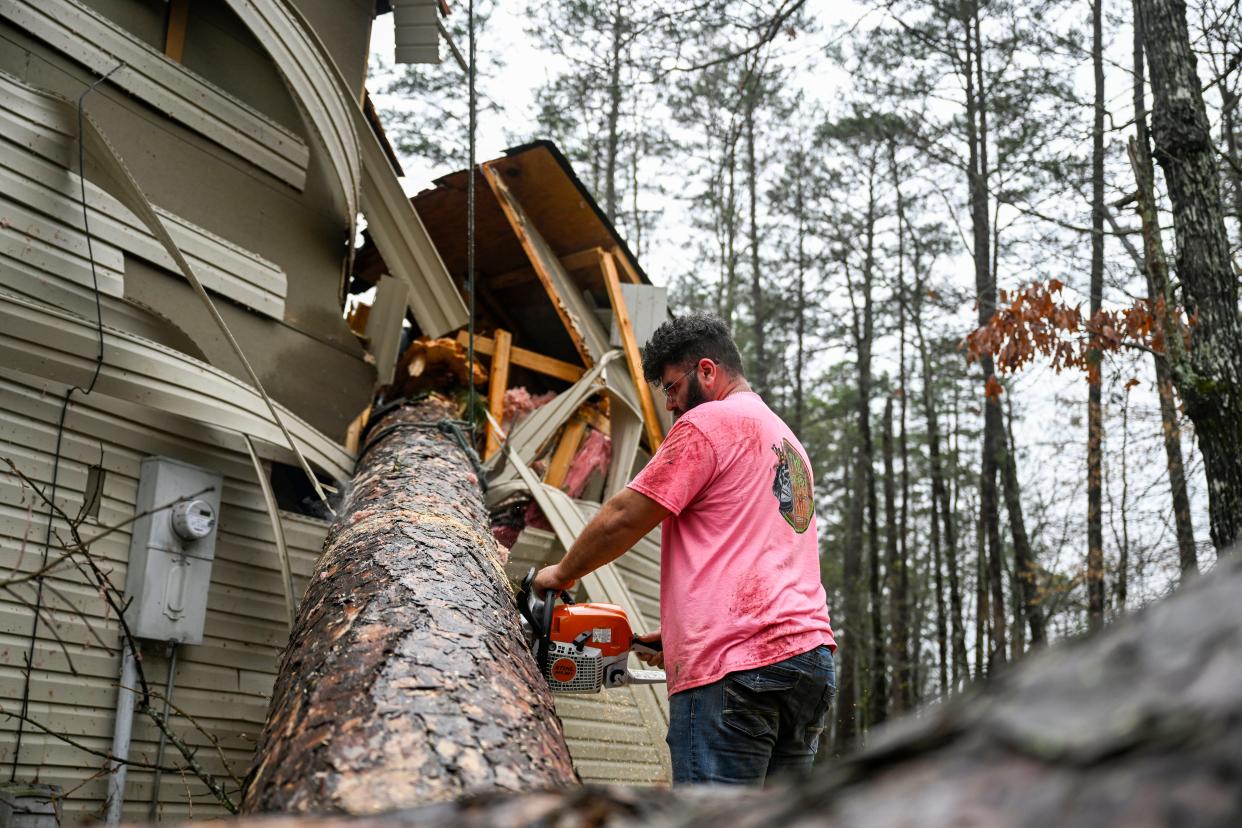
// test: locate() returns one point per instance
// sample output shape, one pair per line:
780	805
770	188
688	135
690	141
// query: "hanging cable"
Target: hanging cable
60	425
473	104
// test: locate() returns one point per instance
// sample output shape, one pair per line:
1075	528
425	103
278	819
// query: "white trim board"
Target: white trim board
99	44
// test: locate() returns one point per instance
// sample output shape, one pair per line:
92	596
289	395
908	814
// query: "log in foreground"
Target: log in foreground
406	679
1138	726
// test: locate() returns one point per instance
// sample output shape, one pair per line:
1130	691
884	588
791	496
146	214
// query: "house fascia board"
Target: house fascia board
399	234
404	244
99	44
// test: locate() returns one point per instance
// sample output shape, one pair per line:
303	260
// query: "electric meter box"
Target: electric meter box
171	550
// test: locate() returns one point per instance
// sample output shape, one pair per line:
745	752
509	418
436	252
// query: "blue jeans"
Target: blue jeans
754	724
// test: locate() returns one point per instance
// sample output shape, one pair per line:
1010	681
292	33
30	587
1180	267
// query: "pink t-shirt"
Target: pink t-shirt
739	558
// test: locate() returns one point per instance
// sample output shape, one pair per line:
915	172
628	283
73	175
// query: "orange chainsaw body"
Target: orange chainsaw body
606	625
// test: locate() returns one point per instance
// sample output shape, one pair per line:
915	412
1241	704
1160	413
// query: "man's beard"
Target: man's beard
694	395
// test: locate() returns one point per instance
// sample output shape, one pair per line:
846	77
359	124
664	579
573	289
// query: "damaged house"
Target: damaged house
182	182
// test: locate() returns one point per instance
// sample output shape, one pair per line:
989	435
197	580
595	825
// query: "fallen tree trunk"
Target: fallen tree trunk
1140	725
406	679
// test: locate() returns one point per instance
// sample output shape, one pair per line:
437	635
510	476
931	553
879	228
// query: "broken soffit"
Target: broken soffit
565	216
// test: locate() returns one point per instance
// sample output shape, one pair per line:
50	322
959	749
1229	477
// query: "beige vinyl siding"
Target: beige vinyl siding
41	207
96	42
224	682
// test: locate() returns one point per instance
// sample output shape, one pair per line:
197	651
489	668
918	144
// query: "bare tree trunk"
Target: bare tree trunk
940	493
406	678
1095	416
759	368
800	323
863	497
1155	269
942	626
896	651
611	199
902	631
847	731
877	706
1026	571
1209	374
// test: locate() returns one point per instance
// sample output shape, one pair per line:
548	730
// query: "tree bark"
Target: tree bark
1095	415
1209	376
759	368
1026	571
1155	269
406	678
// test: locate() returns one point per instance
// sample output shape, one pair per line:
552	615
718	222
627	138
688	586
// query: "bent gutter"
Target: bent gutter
362	167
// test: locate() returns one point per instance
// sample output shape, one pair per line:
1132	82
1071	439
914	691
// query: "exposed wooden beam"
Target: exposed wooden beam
174	35
546	365
499	383
627	266
651	419
589	339
571	261
571	438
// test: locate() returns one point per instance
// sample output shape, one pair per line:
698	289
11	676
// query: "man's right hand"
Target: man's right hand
651	659
550	579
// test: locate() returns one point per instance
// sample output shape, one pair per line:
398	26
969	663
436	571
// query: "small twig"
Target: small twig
133	763
215	743
191	760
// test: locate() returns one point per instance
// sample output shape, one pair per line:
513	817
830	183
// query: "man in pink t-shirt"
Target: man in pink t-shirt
747	643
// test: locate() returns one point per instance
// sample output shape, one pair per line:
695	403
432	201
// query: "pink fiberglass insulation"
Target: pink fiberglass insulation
519	403
594	453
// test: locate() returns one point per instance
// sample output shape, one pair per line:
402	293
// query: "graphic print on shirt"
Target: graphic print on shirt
792	487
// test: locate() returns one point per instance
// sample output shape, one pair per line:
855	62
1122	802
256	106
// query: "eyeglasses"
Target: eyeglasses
667	388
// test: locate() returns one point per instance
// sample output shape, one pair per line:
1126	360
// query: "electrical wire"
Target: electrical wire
473	104
60	425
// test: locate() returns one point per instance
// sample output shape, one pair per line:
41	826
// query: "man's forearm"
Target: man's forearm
620	523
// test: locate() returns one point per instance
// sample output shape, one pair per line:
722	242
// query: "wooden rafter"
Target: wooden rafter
651	419
563	456
174	35
584	330
521	357
627	266
522	275
497	385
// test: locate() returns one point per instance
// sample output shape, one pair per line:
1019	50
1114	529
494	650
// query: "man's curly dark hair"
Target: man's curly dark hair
686	340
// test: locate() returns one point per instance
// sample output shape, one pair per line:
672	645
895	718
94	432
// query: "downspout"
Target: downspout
123	730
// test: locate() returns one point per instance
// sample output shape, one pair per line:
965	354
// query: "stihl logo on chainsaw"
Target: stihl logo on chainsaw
564	670
581	648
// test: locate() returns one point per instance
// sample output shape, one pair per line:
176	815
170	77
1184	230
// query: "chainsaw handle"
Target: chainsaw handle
646	647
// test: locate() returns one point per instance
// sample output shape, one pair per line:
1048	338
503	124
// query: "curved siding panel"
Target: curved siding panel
98	43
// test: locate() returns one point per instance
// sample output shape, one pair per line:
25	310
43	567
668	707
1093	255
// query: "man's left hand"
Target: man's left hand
550	579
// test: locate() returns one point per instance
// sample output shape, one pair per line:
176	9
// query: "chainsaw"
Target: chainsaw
581	648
